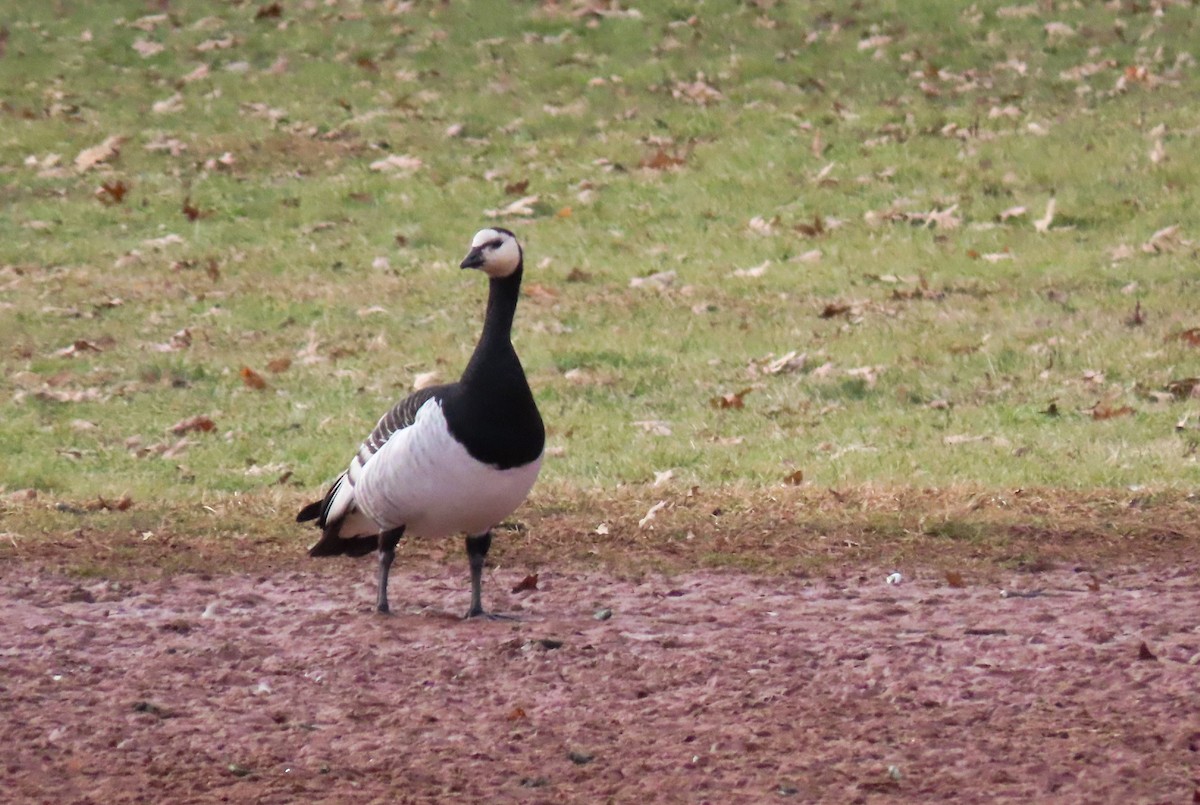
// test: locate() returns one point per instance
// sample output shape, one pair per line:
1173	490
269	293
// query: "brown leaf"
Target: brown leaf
1184	387
731	400
269	11
535	290
1144	652
1105	411
526	584
80	345
252	379
106	151
661	160
517	714
192	212
1191	337
955	579
516	188
816	228
112	192
101	504
200	422
835	309
279	365
794	479
1137	318
1094	584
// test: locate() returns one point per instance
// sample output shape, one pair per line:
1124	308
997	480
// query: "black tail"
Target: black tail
351	534
311	512
331	544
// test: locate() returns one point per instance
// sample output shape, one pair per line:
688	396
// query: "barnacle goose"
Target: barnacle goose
448	459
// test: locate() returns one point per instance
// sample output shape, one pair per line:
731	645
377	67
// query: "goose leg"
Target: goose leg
387	554
477	551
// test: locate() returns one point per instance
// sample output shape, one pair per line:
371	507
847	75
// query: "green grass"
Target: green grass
285	258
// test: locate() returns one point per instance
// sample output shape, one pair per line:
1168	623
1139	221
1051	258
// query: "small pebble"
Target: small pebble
602	614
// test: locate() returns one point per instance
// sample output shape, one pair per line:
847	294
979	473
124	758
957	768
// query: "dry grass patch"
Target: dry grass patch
966	532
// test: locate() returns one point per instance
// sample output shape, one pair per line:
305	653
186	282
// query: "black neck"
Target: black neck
495	349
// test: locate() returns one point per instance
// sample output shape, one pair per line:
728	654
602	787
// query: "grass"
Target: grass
799	146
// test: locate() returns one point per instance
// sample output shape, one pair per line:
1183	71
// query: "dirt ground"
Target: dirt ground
278	684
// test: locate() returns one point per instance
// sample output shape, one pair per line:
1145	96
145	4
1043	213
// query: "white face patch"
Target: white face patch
501	254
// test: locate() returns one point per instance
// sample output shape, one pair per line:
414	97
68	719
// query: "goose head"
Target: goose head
495	252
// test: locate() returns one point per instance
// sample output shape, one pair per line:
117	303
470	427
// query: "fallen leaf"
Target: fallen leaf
269	12
112	192
169	105
955	579
698	92
145	48
763	226
661	160
190	210
662	477
517	714
652	513
102	504
795	478
1184	388
1094	584
1043	224
815	229
1137	318
756	271
731	400
655	427
942	219
1158	154
660	280
78	347
522	208
199	423
1104	411
252	379
785	364
199	74
1011	212
106	151
396	163
209	45
1122	252
1191	337
535	290
278	365
516	188
526	584
835	309
1144	652
1165	241
424	380
163	242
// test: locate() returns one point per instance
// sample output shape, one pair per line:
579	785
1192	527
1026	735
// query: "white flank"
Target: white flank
426	481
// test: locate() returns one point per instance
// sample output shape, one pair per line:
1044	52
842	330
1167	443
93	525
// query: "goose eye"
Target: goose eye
493	244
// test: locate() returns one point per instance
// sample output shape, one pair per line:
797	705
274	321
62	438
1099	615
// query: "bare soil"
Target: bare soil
274	682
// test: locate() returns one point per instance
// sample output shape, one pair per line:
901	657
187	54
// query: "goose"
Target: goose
448	459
